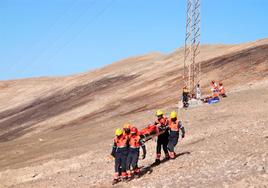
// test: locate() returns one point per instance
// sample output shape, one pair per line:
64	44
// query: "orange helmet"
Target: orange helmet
134	130
127	126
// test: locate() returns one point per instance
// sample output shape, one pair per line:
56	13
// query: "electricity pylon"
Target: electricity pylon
192	67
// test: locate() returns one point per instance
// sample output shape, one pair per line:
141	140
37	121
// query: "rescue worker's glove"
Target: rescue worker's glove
183	135
113	154
143	152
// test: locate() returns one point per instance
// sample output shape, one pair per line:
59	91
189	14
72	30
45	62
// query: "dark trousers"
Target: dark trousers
185	101
162	143
121	160
185	98
132	159
173	140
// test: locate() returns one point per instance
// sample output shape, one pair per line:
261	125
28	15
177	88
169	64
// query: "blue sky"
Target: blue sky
62	37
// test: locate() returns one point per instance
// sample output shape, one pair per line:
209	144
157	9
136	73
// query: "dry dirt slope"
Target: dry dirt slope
57	131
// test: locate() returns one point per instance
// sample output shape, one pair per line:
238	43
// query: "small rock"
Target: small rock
35	175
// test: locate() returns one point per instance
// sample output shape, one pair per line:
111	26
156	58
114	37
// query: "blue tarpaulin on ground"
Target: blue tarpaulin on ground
214	100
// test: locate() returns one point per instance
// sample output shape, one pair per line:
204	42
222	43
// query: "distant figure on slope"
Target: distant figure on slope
214	98
214	85
198	92
162	139
215	94
215	90
120	153
222	90
135	142
174	127
185	97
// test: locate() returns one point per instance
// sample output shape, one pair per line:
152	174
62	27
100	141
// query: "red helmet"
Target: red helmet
134	130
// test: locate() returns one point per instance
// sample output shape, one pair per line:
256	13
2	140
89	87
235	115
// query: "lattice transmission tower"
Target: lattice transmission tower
192	67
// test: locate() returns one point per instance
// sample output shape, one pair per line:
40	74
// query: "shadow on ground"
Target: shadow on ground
149	169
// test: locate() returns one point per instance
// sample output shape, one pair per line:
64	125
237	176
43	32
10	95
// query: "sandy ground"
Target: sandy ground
57	132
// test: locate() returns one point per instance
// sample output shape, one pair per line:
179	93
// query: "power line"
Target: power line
91	21
35	58
51	27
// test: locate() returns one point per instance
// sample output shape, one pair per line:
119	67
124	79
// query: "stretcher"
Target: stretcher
151	131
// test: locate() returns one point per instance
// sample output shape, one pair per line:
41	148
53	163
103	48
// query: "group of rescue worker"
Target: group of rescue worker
127	144
126	150
217	92
170	134
128	141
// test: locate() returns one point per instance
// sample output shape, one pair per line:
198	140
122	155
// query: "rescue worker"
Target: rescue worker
215	90
198	92
185	97
222	90
120	153
126	129
174	127
135	142
162	139
214	84
215	94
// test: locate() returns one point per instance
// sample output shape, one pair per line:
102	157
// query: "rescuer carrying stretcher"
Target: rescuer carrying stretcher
127	144
135	142
162	139
126	151
174	126
126	129
120	153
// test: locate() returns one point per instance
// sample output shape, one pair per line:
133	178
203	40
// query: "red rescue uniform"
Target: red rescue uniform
174	126
162	140
120	152
222	90
135	142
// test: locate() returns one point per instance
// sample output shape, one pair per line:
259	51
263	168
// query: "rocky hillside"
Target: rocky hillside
58	131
